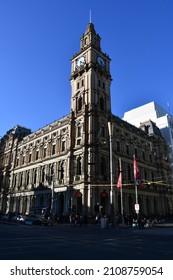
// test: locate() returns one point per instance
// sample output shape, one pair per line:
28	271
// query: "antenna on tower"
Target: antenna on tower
90	20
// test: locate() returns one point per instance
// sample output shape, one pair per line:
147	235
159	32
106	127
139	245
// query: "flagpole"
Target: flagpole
121	193
111	175
136	187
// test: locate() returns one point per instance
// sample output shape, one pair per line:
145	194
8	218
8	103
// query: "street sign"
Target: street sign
137	208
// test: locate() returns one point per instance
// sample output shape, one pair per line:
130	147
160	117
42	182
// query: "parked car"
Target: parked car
17	218
31	219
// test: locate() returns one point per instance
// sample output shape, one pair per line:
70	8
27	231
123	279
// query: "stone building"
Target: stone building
162	118
65	166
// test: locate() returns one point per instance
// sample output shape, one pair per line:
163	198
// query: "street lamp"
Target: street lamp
111	176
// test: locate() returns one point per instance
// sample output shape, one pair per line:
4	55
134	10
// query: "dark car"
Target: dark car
32	219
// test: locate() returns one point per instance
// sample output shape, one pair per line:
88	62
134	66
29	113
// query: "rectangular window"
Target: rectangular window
44	152
78	141
53	149
127	149
36	155
23	160
118	146
63	146
79	131
29	158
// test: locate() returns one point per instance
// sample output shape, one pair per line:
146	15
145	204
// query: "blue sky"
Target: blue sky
39	37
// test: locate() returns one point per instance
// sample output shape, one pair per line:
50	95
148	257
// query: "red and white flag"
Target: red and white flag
119	183
137	175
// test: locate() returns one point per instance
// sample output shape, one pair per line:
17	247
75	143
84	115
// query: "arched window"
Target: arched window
79	166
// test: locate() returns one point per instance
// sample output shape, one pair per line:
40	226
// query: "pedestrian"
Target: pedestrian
71	219
76	220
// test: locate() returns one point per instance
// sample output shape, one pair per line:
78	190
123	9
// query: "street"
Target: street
64	242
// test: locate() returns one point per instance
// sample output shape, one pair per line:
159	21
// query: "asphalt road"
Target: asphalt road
63	242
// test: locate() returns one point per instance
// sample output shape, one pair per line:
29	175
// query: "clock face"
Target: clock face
80	61
101	61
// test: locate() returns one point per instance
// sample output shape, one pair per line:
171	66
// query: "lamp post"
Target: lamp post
121	192
111	176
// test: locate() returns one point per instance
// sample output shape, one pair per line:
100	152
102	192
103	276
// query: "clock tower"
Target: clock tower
90	74
91	109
